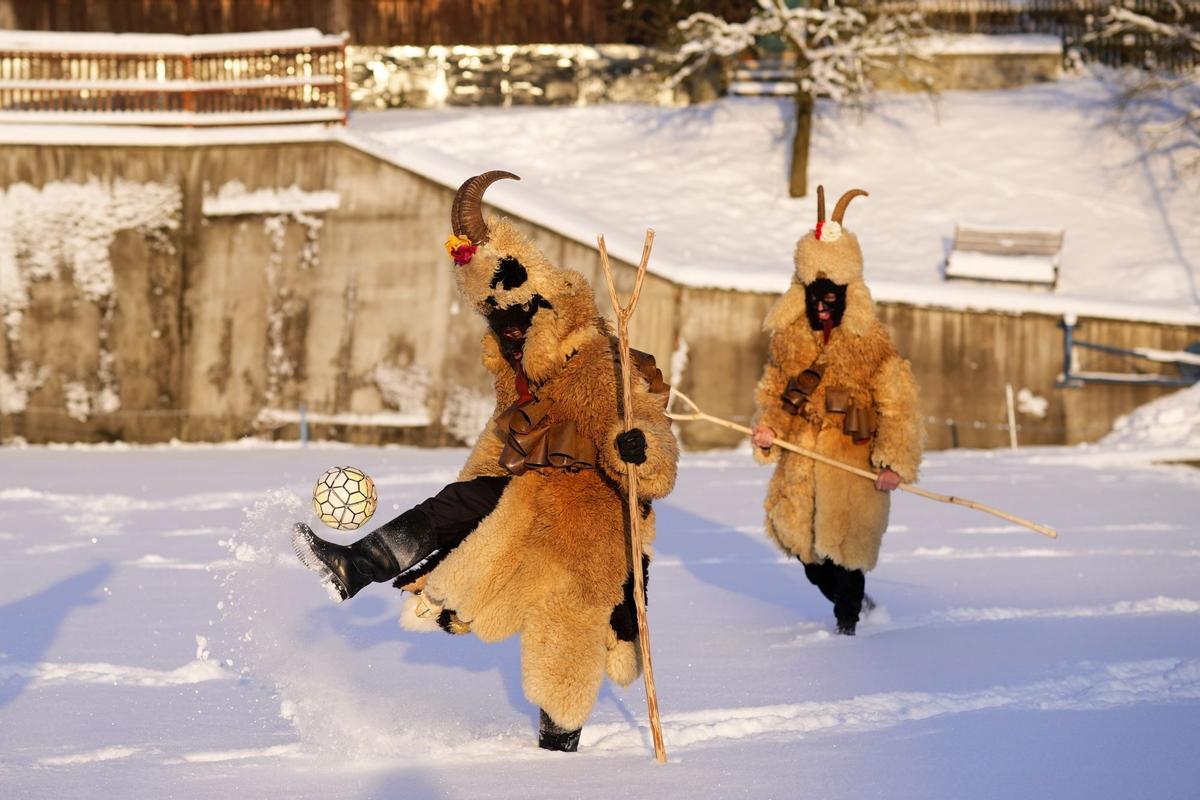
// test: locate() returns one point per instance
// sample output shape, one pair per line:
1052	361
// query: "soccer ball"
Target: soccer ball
344	498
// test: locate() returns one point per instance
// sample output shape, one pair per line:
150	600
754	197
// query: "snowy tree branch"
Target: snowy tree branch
1120	21
1157	107
836	45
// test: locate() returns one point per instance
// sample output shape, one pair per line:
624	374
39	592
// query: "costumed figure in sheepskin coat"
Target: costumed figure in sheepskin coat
834	383
532	538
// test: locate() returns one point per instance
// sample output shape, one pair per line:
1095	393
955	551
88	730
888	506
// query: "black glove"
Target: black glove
632	446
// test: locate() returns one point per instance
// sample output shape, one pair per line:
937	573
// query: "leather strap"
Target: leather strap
645	364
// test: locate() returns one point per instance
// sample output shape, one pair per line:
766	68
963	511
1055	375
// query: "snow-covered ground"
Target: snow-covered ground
711	181
158	639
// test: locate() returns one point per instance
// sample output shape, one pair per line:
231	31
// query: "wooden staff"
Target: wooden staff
635	535
697	414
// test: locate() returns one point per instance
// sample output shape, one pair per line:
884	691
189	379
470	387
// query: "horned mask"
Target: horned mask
828	260
539	312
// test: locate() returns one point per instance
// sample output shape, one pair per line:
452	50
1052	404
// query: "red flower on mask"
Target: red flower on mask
460	249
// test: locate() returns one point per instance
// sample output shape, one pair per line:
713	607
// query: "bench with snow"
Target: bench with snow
1027	256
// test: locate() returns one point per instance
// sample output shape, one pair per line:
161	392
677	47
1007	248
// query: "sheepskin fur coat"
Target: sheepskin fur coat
550	561
816	511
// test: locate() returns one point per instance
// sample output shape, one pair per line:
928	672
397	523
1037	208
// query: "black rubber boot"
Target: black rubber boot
849	603
847	625
552	737
844	588
377	557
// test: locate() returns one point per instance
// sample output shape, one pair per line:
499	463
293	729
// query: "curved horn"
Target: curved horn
820	204
466	214
839	210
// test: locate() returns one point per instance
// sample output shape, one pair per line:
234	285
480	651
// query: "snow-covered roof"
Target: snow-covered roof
164	43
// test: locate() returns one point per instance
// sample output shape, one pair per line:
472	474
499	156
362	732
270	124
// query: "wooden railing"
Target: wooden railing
286	76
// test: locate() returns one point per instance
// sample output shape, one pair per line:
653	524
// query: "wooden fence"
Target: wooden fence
173	80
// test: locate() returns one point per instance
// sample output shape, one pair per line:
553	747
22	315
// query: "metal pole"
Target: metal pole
1012	416
1068	324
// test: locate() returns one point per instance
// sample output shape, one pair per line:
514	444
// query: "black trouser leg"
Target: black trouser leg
453	513
842	587
823	577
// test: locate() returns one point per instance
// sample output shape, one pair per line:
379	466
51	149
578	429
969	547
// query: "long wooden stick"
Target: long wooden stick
635	534
697	414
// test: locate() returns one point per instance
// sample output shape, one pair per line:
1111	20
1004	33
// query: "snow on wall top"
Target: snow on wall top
988	44
164	43
133	135
232	199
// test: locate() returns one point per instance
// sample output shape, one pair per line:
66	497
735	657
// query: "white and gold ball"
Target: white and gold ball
344	498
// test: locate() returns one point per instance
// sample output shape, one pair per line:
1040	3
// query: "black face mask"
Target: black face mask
510	324
833	295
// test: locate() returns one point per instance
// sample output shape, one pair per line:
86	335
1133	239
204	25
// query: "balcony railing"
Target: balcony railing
151	79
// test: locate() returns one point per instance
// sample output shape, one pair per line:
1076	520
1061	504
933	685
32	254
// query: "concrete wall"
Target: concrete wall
974	71
234	321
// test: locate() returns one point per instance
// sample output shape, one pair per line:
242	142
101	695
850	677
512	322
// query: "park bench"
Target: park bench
1027	256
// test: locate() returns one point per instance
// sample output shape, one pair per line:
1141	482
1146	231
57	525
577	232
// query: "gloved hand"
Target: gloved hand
632	446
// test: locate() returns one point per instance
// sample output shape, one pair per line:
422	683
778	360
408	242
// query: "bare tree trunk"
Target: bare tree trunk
798	180
340	17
